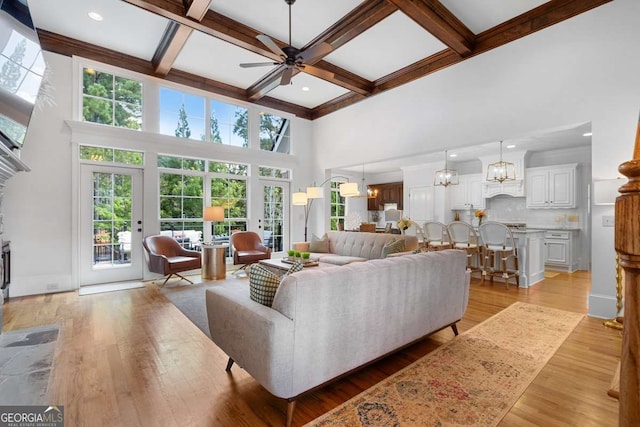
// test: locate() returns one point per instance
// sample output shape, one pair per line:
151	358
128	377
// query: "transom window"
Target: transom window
111	155
274	133
268	172
182	114
229	124
111	100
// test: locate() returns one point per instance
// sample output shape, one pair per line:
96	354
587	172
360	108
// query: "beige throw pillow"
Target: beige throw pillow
319	245
393	248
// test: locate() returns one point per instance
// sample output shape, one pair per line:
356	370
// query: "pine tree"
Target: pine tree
183	131
215	130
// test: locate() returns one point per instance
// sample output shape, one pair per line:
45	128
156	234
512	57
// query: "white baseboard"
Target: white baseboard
602	306
35	285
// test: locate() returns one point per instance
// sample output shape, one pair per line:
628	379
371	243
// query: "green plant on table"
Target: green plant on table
305	255
291	252
297	254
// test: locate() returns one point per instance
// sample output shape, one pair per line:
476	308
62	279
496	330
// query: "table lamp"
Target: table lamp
213	214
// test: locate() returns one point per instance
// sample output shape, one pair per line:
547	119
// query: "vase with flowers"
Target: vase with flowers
480	214
404	223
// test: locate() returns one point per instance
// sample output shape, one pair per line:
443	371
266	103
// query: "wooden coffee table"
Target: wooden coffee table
279	267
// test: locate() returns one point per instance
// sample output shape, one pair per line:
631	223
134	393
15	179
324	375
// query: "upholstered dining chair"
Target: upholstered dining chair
368	227
436	236
500	252
464	236
248	248
167	257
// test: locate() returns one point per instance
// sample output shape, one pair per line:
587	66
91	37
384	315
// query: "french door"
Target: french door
274	222
110	224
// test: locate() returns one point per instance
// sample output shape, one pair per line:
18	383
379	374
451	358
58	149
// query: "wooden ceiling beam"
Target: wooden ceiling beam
437	20
196	8
550	13
66	46
173	40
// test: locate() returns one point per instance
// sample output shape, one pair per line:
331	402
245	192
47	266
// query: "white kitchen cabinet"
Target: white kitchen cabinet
467	194
561	250
551	187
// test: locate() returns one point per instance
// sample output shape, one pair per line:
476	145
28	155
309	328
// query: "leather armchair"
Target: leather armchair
248	248
168	258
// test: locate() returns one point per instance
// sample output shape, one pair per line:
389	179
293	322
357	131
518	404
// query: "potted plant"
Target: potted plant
290	254
305	257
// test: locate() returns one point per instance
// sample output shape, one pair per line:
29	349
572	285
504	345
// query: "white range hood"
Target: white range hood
509	188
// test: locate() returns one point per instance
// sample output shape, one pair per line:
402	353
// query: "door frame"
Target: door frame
76	217
286	216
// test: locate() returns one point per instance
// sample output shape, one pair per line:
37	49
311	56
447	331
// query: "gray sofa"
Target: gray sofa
346	247
325	322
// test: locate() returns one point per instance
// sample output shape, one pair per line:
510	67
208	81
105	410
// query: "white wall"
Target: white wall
578	71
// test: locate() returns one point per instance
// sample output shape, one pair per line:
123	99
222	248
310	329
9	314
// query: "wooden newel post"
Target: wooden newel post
627	243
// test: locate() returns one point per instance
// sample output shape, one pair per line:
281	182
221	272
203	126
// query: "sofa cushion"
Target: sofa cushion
340	259
319	244
263	284
393	248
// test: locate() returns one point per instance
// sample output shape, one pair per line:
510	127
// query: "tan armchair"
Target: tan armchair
167	257
248	248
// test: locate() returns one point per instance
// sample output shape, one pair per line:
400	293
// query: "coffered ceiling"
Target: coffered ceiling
376	45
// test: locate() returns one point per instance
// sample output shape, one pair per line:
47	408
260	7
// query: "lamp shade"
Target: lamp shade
314	193
299	199
606	191
213	213
349	189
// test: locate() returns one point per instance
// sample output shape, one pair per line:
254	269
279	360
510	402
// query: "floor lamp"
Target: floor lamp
213	214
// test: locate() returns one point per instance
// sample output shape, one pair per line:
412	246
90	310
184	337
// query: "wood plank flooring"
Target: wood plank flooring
131	358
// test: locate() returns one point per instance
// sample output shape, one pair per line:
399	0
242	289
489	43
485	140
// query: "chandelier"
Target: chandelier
446	177
501	171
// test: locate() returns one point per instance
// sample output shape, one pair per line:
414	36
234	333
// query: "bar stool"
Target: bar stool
464	236
499	249
436	236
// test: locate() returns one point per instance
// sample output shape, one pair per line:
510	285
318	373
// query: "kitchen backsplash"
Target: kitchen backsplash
513	209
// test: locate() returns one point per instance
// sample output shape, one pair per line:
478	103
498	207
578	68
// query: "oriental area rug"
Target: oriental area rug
472	380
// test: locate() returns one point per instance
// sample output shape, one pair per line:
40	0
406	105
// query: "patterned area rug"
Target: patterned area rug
472	380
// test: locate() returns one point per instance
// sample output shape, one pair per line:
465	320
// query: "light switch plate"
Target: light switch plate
608	220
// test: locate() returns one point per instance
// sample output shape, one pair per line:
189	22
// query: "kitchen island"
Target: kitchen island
530	244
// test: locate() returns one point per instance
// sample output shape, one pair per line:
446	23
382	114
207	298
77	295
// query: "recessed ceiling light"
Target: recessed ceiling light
511	146
305	88
453	155
95	16
587	134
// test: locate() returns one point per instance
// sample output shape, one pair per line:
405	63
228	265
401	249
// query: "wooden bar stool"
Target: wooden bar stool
463	236
500	252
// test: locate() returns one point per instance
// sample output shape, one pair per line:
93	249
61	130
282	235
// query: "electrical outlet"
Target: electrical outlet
608	220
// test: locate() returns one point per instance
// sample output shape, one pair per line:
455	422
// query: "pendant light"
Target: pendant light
446	177
501	171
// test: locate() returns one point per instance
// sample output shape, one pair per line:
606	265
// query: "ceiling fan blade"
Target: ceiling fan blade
315	52
266	40
318	72
258	64
286	76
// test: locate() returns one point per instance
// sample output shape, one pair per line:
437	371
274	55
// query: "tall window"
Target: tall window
274	133
337	205
182	200
229	190
229	124
182	114
111	100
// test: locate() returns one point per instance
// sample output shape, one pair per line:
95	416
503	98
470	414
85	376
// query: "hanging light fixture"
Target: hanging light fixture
501	171
369	193
446	177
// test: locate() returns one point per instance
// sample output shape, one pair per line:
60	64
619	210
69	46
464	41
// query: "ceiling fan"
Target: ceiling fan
293	58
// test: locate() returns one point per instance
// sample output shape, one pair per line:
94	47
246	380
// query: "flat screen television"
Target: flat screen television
22	67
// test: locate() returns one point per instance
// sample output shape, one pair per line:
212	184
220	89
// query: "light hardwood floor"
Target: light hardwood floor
131	358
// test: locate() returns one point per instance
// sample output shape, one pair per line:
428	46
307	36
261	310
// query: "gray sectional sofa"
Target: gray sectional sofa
325	322
346	247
